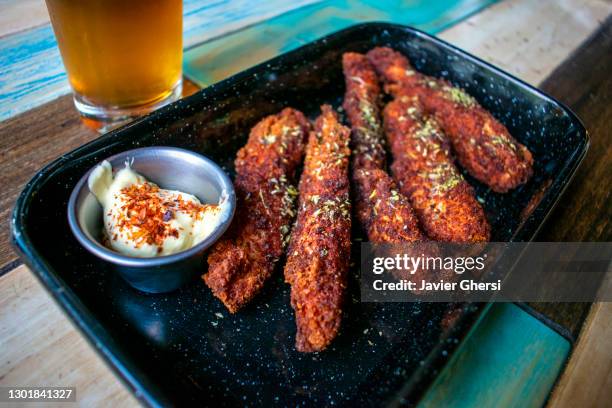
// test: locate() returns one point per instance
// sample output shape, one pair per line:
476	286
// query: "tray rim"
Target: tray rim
105	346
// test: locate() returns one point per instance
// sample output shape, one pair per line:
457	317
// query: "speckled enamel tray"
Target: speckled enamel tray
184	348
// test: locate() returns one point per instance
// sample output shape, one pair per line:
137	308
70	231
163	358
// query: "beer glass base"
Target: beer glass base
104	118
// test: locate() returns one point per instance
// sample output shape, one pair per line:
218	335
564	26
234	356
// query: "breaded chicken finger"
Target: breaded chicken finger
362	100
423	167
240	263
385	214
483	146
319	250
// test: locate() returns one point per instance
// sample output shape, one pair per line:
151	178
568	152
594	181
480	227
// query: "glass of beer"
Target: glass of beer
123	57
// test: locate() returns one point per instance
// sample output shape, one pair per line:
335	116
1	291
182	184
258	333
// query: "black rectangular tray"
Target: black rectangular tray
183	348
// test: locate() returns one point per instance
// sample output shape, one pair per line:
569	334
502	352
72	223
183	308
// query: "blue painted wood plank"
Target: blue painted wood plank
510	359
218	59
31	70
206	20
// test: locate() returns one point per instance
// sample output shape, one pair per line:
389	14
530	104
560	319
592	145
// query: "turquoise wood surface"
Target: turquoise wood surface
31	70
510	359
211	62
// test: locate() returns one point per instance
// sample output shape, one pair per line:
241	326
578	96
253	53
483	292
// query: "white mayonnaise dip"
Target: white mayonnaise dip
143	220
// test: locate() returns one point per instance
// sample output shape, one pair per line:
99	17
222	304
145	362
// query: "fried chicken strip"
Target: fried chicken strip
483	146
423	166
385	214
362	100
244	259
319	250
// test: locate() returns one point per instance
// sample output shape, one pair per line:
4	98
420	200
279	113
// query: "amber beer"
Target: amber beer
120	55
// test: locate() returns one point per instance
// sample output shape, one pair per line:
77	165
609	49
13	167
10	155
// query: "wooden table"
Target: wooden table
564	46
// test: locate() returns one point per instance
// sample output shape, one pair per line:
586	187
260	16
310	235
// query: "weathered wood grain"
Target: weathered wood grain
533	37
19	15
46	350
587	379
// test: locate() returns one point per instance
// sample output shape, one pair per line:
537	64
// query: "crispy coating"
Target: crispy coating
483	146
384	213
423	167
362	100
240	263
388	218
319	251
